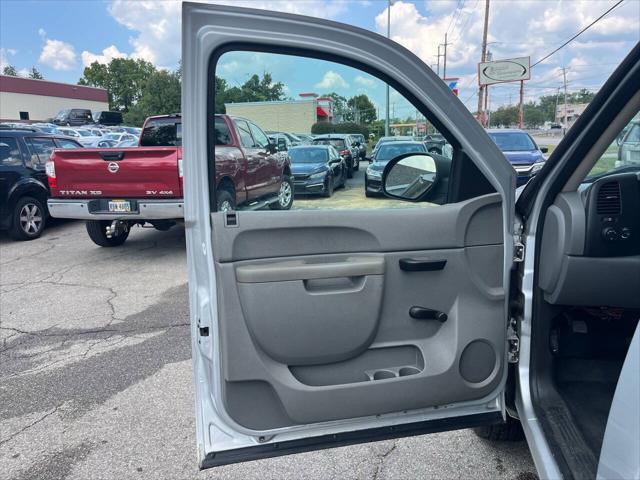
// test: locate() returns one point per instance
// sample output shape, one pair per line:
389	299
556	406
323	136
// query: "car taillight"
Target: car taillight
345	152
50	168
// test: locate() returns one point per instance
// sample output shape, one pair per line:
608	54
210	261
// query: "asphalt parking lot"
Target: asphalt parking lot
96	382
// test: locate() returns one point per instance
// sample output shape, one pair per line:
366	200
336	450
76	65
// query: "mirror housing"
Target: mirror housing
409	177
544	149
282	144
271	148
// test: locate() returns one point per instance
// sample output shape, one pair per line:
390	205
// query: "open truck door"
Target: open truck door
313	329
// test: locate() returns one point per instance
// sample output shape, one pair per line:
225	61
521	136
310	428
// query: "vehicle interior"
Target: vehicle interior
587	297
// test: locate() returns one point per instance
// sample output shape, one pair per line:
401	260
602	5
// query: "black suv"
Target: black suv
74	117
23	180
346	146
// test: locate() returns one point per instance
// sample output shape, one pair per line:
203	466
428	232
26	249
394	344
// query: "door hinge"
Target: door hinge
513	341
518	246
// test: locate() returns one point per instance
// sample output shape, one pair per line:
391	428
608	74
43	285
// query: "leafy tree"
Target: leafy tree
160	96
35	74
505	116
255	89
10	70
220	90
361	109
124	79
339	105
532	115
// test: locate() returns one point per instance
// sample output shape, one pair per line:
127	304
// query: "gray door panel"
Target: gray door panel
322	337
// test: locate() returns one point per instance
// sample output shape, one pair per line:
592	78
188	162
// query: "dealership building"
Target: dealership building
294	116
39	100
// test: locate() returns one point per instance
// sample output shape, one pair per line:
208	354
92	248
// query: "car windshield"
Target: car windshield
113	136
334	142
308	155
394	149
513	141
85	133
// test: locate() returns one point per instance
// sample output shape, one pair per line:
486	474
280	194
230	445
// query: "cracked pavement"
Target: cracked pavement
96	380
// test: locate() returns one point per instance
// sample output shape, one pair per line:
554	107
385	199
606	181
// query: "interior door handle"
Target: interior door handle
422	313
421	265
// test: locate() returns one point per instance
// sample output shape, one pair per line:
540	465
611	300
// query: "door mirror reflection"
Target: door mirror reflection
409	177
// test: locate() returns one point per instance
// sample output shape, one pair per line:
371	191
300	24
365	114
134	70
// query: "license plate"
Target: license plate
119	206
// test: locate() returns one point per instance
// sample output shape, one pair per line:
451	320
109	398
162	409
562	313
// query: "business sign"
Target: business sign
501	71
452	82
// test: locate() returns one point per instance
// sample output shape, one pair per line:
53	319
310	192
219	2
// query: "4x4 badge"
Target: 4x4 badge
113	167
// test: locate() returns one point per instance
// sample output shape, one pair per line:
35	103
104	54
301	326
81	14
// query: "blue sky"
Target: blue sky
60	37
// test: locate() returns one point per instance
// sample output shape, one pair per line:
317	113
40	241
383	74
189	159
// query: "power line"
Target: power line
579	33
457	11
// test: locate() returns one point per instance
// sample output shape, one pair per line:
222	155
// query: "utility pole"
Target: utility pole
564	76
555	112
444	73
484	58
386	119
439	55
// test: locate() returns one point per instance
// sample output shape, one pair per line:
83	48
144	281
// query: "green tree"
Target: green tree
160	96
10	70
124	79
505	116
220	91
532	115
35	74
361	109
256	89
339	105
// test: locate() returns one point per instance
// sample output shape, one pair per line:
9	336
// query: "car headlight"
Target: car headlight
373	173
317	176
536	167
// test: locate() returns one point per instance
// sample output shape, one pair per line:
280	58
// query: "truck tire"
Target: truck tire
511	431
285	195
226	200
97	232
28	219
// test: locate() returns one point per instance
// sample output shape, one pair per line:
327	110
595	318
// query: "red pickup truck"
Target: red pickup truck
115	189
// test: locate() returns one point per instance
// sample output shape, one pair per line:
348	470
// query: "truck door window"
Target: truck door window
245	134
9	152
260	138
223	136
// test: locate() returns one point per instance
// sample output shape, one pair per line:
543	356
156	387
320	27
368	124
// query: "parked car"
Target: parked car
118	137
23	181
629	146
521	151
317	170
46	128
115	190
362	144
294	141
84	136
73	117
316	329
434	143
282	141
386	152
346	146
127	143
107	118
305	138
393	138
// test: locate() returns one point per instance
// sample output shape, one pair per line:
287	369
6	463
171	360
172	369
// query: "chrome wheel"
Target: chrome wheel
30	218
284	196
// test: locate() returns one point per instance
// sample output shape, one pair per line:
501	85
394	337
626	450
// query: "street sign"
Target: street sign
501	71
452	82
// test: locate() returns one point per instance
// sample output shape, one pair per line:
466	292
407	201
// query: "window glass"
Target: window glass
40	149
622	155
161	132
242	128
513	141
66	143
261	140
9	152
314	110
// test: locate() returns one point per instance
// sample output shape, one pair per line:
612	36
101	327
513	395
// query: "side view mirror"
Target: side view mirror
271	148
409	176
619	140
544	149
282	145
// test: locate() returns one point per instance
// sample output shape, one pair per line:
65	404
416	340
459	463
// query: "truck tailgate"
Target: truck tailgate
137	172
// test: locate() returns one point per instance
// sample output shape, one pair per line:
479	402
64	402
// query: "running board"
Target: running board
258	204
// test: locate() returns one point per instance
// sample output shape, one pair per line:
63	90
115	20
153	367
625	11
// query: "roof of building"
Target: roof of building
48	88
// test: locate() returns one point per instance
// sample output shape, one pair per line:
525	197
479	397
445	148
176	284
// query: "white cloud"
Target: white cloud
332	79
24	72
108	54
365	81
156	25
58	55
